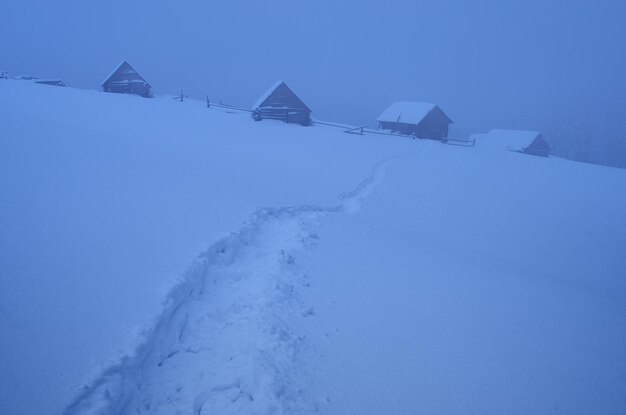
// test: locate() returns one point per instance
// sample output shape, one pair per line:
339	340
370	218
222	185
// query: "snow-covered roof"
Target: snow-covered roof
25	77
130	70
54	82
266	95
113	72
515	140
406	112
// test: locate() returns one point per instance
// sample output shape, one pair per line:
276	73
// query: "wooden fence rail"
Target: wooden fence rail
350	129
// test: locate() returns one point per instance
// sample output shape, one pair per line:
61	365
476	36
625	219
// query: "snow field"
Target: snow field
466	281
473	283
107	199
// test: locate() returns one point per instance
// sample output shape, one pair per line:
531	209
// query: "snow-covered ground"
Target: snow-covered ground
161	257
474	283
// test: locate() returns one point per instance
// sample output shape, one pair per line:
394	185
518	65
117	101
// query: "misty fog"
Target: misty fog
312	207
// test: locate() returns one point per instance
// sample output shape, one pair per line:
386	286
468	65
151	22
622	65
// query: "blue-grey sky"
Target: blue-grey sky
488	63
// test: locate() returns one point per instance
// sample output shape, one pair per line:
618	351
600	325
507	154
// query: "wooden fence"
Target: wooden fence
350	129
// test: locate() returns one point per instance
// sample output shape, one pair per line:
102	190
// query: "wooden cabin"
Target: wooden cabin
126	80
281	103
52	82
527	142
419	119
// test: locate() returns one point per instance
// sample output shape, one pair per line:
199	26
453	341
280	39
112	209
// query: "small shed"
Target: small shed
52	82
281	103
126	80
521	141
420	119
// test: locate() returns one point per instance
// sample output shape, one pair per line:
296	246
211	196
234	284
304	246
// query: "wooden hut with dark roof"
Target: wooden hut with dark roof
281	103
419	119
126	80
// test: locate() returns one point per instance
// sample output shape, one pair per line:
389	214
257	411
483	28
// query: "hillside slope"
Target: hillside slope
474	283
106	201
161	257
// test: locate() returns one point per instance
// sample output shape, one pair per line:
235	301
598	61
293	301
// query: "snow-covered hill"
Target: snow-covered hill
161	257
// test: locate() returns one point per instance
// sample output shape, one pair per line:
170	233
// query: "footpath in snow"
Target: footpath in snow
224	342
101	214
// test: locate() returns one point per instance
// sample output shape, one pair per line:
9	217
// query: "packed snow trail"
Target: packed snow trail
223	343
